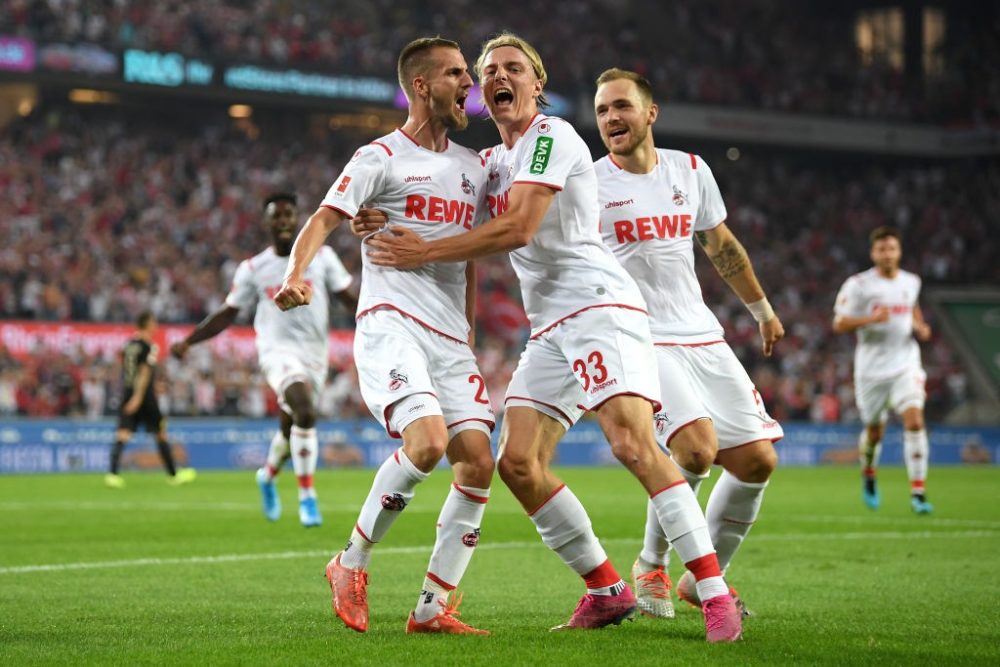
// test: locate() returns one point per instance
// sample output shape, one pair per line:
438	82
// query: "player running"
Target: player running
880	304
590	346
417	371
139	406
291	349
654	202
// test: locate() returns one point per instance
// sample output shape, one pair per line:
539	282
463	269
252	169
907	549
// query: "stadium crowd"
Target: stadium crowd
107	214
764	54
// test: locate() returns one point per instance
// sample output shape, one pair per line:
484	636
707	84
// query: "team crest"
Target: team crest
394	502
544	128
396	379
680	198
660	422
471	539
467	186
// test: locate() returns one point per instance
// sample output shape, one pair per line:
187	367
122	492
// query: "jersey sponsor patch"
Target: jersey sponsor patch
540	158
342	188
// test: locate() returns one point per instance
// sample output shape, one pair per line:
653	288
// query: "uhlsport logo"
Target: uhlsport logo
661	421
394	502
471	539
680	198
467	186
397	379
540	159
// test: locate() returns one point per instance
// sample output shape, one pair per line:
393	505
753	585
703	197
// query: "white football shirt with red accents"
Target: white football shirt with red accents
259	278
649	221
565	268
437	195
884	349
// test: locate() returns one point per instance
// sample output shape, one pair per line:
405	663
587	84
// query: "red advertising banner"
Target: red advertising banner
25	339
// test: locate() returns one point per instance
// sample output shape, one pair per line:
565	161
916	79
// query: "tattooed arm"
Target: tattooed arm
730	259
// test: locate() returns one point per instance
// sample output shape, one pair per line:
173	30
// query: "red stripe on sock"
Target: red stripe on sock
471	496
305	481
868	472
668	487
603	575
704	567
440	582
357	527
272	471
917	485
395	455
547	499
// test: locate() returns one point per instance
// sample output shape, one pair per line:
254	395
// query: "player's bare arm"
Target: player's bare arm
846	324
732	262
402	248
210	327
142	380
294	290
349	298
921	329
368	221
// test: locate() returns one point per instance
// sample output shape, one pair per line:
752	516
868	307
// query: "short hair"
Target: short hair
142	321
641	82
885	232
280	196
510	39
415	59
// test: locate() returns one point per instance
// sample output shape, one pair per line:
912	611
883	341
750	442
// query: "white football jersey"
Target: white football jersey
887	348
259	278
437	195
649	221
566	268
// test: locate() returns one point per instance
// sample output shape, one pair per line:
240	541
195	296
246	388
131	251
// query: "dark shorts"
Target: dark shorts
148	416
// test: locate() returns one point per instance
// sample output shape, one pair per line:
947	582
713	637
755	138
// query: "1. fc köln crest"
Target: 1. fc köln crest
397	379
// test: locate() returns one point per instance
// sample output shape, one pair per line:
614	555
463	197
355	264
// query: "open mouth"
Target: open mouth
460	103
618	132
503	97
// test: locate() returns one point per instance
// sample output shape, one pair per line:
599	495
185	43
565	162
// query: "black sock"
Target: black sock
116	455
167	456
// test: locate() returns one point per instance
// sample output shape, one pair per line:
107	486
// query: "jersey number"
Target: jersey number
599	374
481	391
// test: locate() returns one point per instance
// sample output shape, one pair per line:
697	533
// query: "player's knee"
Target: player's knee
304	415
760	467
515	468
913	420
629	449
697	458
874	432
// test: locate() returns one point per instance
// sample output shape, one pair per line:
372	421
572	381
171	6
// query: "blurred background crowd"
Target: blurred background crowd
107	211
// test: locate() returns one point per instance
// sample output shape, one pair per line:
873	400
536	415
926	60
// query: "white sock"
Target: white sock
655	546
869	453
457	537
392	490
684	525
305	451
731	511
276	455
564	527
916	451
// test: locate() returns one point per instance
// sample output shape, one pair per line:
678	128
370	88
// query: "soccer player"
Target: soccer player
416	367
590	345
654	203
292	349
880	305
139	406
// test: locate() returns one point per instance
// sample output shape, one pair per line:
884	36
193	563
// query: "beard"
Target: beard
639	135
446	110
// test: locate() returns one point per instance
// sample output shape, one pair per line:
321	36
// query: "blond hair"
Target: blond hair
641	83
510	39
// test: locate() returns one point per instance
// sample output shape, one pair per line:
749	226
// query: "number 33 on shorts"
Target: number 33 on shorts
591	372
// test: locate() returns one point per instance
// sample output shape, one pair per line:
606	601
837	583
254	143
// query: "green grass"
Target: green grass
828	581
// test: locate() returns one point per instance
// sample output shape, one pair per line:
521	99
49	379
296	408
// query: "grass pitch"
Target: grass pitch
194	575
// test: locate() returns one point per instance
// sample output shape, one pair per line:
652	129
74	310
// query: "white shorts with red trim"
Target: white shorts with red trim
284	366
899	392
398	358
708	381
584	361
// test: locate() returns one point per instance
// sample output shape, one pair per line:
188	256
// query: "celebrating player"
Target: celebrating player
880	304
417	371
590	346
654	202
292	349
139	406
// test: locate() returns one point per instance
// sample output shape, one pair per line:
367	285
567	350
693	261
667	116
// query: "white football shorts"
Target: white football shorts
708	381
284	366
899	392
397	358
584	361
